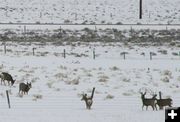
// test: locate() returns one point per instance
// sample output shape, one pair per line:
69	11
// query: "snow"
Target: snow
50	76
58	83
89	11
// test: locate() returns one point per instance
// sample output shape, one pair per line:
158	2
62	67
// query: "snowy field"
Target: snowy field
57	83
89	11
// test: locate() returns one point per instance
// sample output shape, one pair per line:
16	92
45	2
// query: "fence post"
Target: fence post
124	56
25	32
150	55
33	51
95	29
140	9
4	48
64	53
160	97
60	29
9	105
75	16
94	54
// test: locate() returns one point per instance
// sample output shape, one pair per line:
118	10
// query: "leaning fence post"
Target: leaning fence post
9	105
94	54
4	48
64	53
160	97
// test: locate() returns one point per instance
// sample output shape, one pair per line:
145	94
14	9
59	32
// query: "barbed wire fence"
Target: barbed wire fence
89	53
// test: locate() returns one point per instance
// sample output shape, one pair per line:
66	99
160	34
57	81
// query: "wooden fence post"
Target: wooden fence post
150	55
124	56
64	53
9	105
25	32
4	48
160	97
94	54
33	51
140	9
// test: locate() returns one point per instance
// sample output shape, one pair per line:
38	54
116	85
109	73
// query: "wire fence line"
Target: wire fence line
26	23
68	102
91	54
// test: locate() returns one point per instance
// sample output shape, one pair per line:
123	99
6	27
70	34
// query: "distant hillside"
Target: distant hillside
90	11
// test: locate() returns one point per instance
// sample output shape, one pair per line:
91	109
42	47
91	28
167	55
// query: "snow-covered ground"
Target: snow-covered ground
57	83
90	11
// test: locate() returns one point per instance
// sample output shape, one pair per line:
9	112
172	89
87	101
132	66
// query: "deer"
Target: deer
24	88
163	102
148	101
6	77
88	100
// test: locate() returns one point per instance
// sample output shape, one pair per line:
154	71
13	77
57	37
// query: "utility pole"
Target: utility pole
140	9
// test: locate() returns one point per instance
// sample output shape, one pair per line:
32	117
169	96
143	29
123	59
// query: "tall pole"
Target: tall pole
140	9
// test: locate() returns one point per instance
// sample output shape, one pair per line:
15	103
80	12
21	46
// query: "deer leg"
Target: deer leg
142	107
4	82
155	107
146	108
20	92
1	80
152	107
89	107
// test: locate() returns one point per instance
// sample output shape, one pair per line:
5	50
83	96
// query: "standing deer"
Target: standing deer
148	101
88	100
24	88
6	77
164	102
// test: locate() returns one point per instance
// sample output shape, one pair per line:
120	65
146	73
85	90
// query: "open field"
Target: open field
57	83
90	11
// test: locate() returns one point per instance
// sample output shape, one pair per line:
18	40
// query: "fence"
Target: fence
94	53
